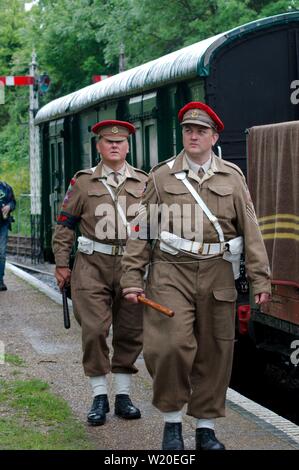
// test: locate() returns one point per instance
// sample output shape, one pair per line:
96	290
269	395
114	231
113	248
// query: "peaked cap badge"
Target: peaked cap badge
195	113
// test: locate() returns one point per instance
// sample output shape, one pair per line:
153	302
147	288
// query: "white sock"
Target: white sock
173	416
205	423
122	383
99	385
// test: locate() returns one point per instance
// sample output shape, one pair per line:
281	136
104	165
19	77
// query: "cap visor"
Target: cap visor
197	122
114	138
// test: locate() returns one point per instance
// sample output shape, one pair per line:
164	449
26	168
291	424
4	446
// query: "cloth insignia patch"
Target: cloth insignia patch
251	213
69	192
68	220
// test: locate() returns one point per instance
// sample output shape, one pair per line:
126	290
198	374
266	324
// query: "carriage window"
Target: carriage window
150	144
94	153
52	166
132	154
139	145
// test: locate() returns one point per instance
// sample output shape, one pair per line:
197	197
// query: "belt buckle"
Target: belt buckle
200	249
115	250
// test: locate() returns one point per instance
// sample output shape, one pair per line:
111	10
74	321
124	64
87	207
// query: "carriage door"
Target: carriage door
57	170
144	143
150	136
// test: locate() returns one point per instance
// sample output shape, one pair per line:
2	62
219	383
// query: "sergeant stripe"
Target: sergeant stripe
251	214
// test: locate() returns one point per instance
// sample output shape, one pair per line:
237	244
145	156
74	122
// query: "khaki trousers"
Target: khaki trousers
189	356
97	304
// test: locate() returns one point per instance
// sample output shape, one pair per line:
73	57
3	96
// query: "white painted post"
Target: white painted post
35	164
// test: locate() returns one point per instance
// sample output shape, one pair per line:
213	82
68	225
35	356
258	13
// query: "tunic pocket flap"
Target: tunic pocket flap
97	192
221	190
225	295
175	189
136	192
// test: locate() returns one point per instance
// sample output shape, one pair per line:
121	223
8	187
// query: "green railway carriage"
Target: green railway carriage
245	74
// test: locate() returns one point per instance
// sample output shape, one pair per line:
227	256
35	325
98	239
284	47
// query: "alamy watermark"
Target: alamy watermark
294	357
184	220
295	94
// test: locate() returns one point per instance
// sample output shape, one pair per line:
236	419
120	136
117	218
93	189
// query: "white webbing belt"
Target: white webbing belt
87	246
181	176
178	243
212	218
119	208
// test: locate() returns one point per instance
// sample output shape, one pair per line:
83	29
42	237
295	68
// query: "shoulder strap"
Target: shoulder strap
119	208
212	218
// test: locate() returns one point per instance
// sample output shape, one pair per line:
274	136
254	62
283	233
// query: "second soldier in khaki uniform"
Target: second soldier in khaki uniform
192	267
103	200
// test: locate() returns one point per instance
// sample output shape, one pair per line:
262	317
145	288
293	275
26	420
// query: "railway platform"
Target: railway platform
32	328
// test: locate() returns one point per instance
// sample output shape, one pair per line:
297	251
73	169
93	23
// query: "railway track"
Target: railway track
24	247
19	245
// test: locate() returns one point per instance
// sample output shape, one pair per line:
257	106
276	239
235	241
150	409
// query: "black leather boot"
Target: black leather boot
97	413
206	440
172	437
2	286
124	408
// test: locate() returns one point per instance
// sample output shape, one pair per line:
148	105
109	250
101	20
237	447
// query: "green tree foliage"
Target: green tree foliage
14	158
64	34
151	29
280	6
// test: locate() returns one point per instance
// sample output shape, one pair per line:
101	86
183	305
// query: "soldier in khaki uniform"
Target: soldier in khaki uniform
103	200
193	262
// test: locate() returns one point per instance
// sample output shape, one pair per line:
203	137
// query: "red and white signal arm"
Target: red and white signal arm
17	80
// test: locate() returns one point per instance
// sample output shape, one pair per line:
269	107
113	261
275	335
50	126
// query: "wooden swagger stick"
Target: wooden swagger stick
165	310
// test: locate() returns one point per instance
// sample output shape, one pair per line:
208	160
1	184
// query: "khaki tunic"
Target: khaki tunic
190	355
95	278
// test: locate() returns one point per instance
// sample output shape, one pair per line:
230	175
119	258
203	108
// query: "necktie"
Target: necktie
115	177
201	172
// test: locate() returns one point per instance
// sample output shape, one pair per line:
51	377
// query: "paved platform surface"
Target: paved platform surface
32	327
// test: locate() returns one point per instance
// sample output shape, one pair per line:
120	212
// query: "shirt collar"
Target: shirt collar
106	170
127	172
196	166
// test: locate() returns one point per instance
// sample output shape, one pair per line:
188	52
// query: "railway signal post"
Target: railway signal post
35	163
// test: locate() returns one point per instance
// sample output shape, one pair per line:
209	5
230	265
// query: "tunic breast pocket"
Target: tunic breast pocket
99	201
220	201
177	194
135	192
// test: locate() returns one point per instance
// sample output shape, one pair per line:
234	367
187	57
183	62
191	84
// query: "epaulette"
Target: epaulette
140	171
162	163
235	167
87	171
